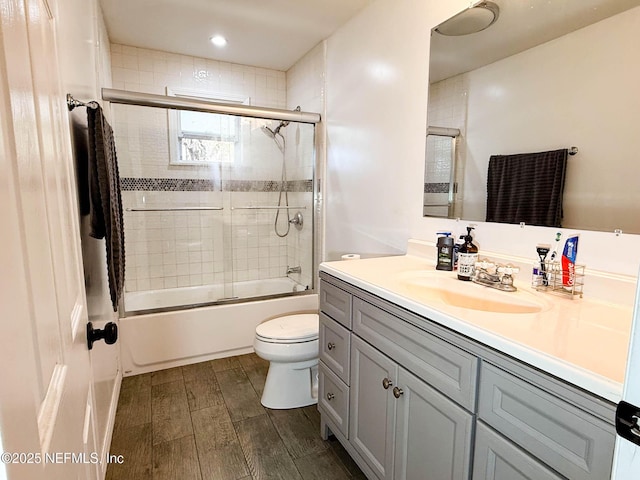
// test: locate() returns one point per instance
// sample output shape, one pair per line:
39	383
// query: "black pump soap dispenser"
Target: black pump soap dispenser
445	251
467	256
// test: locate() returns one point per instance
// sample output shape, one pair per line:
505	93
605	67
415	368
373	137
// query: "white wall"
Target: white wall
377	71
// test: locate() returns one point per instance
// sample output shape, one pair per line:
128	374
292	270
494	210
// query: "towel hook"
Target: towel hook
573	150
73	103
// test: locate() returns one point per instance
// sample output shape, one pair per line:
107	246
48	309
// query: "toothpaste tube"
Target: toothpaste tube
569	261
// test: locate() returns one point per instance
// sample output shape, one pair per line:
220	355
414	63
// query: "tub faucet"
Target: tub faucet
494	275
294	270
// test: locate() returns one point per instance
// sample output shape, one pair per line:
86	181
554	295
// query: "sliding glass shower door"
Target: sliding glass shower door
217	208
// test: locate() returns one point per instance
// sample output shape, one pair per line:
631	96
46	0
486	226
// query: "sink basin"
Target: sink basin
433	287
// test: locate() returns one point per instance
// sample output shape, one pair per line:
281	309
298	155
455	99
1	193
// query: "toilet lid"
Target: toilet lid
290	328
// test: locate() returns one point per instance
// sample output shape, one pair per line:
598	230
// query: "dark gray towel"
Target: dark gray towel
526	187
105	200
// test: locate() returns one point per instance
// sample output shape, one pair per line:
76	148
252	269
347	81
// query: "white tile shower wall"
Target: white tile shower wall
306	88
175	249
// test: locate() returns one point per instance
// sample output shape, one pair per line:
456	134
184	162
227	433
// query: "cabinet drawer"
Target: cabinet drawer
449	369
333	398
335	347
569	440
496	458
336	303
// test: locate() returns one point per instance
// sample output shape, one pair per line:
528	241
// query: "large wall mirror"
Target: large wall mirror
545	75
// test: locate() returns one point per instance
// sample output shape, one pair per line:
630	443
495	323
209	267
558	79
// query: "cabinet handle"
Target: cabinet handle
397	392
331	345
330	396
386	383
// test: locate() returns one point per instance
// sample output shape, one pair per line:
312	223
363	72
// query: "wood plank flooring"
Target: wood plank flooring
205	422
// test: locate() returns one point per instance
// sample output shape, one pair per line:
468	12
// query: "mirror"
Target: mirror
547	75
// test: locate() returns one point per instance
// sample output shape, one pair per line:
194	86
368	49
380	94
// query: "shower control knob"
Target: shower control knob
397	392
330	396
109	334
331	346
386	383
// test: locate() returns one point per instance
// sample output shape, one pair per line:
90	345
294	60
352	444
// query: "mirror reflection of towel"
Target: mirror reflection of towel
526	187
104	197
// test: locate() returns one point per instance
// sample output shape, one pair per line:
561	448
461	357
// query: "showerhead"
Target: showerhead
268	132
273	133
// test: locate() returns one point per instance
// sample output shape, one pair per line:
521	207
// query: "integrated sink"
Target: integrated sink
431	287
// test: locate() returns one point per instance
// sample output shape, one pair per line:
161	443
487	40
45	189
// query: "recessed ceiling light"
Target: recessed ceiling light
218	40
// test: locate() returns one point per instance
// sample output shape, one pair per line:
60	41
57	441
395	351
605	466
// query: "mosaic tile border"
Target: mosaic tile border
436	187
204	185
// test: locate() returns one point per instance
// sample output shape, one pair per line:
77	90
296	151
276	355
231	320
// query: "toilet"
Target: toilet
290	344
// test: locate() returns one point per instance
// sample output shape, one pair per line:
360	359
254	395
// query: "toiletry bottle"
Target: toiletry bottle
456	250
467	257
445	251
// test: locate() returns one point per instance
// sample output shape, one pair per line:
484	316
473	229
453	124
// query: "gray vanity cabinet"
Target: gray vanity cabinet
496	458
432	433
403	428
372	407
412	400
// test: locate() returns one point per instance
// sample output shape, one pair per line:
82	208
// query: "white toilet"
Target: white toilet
290	343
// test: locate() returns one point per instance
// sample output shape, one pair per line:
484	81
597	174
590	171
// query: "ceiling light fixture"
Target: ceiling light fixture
218	40
471	20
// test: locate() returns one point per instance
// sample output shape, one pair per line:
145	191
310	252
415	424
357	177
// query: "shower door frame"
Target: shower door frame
125	97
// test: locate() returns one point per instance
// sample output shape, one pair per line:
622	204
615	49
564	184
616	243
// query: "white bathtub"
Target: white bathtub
180	296
157	341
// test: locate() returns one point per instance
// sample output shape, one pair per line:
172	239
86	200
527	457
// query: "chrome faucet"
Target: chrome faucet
294	270
494	275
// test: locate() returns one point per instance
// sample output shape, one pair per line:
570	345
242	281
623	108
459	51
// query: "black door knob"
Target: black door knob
109	334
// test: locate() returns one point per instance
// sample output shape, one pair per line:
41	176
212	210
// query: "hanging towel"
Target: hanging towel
105	208
526	187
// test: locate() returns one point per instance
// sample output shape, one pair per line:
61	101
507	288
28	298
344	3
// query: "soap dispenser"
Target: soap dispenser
467	256
445	251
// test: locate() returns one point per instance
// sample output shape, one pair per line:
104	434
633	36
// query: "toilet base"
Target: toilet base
291	385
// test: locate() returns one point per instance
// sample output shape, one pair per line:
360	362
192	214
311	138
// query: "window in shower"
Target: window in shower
197	138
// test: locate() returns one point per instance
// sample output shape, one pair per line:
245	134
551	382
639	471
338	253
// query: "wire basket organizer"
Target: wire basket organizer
554	279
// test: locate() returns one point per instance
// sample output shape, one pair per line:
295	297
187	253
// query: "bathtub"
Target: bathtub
180	296
156	341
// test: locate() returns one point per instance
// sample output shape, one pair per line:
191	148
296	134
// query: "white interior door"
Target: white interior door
46	405
626	461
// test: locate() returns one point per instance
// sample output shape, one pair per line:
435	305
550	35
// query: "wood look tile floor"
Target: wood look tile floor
205	422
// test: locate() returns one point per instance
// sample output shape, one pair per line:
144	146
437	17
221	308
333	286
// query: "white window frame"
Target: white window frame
173	119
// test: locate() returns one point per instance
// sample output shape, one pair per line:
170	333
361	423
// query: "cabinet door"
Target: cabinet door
496	458
372	407
433	434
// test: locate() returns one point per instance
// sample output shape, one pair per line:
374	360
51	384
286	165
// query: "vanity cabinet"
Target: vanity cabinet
496	458
410	399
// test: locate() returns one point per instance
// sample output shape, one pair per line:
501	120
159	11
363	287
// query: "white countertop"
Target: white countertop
583	341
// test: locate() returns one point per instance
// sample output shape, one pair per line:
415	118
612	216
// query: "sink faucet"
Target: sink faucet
494	275
294	270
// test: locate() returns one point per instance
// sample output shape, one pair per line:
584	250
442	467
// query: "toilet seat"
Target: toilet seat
299	328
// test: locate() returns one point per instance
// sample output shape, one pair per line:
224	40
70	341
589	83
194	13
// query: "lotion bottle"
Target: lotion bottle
467	257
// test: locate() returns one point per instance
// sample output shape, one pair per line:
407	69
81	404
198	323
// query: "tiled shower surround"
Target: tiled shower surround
169	249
